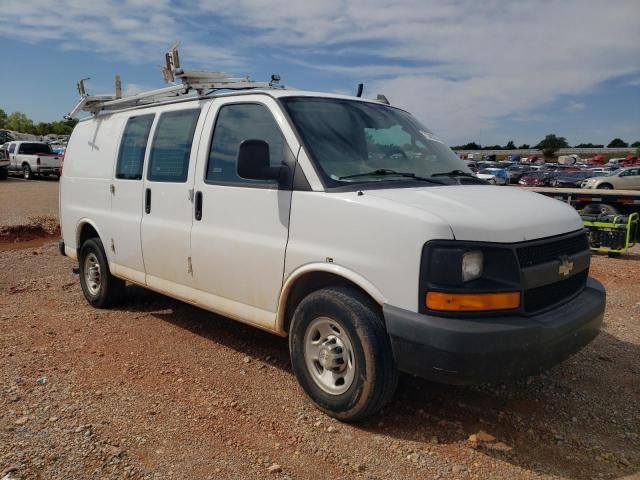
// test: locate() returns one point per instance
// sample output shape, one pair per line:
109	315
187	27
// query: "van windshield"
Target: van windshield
352	141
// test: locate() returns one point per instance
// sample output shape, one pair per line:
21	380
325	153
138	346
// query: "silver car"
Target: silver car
624	179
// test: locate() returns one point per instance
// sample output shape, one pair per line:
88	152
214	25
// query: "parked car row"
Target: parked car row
609	176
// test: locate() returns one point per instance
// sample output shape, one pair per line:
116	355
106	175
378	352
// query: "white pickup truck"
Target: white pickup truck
33	158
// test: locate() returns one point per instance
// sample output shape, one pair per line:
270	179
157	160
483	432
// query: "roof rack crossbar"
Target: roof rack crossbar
201	81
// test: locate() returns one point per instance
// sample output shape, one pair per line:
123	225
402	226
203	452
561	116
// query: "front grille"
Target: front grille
553	250
543	297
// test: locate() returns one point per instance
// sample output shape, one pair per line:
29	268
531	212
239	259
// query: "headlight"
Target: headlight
472	265
452	267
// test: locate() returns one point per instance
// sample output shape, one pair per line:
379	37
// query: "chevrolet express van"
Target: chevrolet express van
338	222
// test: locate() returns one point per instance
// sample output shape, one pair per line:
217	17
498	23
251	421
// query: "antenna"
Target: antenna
182	82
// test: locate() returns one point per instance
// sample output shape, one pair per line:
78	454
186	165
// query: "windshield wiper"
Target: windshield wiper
453	173
388	171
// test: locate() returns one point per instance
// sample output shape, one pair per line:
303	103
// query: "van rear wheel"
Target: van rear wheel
341	355
100	288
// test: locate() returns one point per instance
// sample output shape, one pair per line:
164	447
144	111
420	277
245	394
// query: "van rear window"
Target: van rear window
133	147
171	149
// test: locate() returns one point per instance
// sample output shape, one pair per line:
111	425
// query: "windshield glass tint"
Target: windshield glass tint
347	138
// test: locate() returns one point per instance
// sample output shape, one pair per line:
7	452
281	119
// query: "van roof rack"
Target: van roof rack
200	81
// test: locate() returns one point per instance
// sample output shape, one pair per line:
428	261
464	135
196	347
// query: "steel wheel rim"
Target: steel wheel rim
329	355
92	274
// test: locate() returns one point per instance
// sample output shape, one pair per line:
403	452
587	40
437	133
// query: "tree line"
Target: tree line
19	122
550	142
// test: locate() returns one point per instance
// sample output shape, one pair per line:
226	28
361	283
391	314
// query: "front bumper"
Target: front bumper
477	350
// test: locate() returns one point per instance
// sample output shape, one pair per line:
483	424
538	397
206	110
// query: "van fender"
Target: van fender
81	223
338	270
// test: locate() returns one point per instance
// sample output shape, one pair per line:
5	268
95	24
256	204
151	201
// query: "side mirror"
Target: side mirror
253	161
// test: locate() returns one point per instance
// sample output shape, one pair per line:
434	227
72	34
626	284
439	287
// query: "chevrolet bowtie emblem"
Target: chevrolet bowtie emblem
565	267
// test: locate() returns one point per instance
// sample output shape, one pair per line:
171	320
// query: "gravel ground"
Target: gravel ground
160	389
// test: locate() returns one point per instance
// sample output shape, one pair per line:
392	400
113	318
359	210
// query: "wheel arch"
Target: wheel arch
86	229
312	277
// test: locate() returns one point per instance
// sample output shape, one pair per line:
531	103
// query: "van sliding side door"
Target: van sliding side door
167	200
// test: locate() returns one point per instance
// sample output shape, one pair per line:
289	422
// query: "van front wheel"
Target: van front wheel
100	288
340	353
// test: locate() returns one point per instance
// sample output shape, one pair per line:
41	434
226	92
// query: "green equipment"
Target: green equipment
613	234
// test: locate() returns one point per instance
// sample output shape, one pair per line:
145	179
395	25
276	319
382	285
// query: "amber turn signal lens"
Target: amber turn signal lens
472	302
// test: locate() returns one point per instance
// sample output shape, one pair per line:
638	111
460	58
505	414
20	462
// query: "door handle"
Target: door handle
147	200
198	206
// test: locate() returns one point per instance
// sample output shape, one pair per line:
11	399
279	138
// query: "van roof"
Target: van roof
274	93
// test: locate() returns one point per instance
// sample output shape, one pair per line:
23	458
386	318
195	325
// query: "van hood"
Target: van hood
489	214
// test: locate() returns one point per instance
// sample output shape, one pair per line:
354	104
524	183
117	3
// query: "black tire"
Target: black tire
26	172
111	289
605	186
600	208
4	173
375	374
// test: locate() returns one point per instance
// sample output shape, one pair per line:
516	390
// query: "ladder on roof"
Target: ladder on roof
200	81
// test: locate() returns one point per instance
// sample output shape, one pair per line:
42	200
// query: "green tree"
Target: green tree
525	146
636	144
19	122
510	145
617	143
589	145
551	144
3	119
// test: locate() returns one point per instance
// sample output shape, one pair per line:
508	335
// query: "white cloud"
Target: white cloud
574	107
137	31
460	65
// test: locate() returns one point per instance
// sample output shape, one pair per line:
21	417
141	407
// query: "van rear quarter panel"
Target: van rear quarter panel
88	170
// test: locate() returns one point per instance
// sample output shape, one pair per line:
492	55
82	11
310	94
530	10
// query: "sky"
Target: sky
488	72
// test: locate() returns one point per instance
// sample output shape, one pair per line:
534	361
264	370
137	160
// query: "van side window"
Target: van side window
235	124
133	147
171	149
12	148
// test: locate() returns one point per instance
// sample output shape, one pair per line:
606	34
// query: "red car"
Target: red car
631	160
536	179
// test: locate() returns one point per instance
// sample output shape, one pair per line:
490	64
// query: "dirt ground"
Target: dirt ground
20	199
157	389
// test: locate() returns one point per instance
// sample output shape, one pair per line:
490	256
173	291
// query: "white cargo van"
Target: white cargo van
337	221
